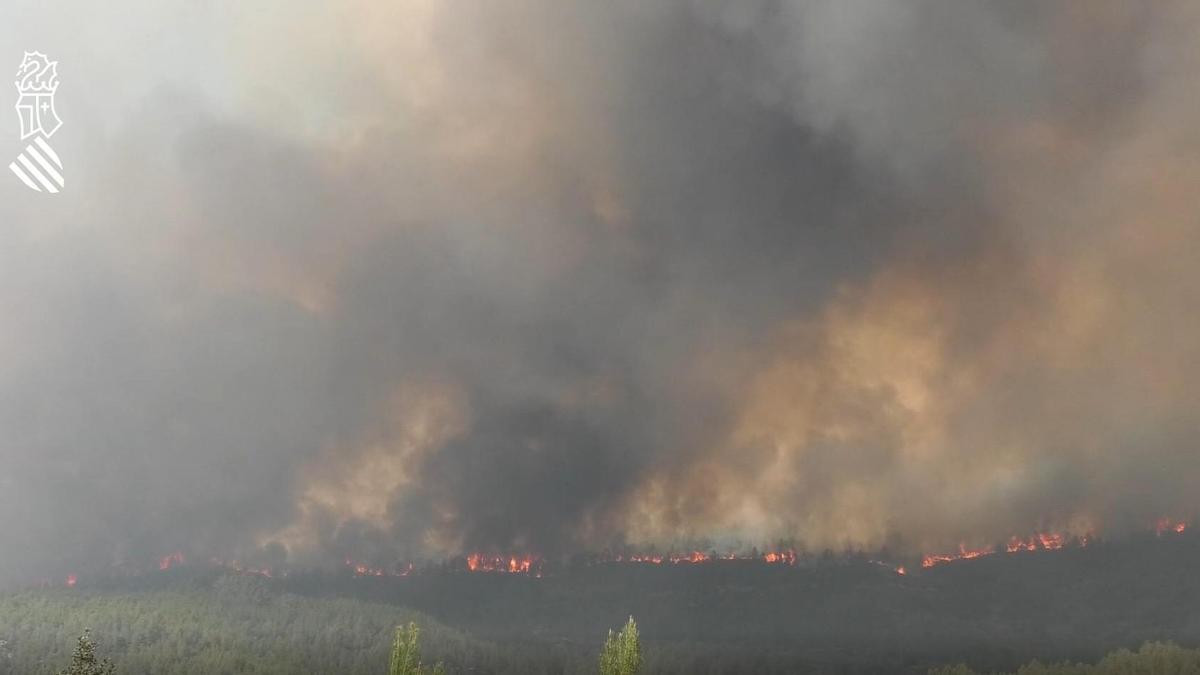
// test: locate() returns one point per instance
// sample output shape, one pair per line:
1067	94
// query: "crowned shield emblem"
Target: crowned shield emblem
37	82
39	166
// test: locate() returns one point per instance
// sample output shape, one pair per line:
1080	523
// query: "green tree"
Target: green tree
406	653
84	661
622	654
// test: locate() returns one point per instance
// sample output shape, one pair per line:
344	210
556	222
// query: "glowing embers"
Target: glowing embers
782	557
364	570
963	553
1168	526
787	557
535	565
1041	541
510	564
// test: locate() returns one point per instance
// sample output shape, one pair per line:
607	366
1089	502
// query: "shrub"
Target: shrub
622	654
406	653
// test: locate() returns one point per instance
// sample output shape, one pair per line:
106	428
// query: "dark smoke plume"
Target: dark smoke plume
409	279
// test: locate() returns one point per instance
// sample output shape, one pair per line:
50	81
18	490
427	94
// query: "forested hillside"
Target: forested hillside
237	626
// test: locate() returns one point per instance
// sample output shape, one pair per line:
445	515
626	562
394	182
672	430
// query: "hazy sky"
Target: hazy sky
393	279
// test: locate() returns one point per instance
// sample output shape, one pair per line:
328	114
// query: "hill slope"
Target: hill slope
842	614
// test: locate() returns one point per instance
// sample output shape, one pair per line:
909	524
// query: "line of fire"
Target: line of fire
538	566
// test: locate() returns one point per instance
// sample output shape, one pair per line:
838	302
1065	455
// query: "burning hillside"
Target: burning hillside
1041	541
537	566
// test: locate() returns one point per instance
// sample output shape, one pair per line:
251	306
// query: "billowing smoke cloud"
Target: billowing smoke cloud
411	279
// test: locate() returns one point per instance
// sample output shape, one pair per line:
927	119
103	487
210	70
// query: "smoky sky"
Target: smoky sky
402	280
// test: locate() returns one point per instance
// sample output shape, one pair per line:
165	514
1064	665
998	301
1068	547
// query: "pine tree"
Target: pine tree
406	653
84	661
622	654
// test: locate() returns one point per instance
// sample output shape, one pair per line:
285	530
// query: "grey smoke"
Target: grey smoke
631	246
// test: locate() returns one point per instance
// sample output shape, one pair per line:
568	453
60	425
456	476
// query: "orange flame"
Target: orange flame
523	564
1051	541
1041	541
652	559
1165	525
1016	544
365	570
168	561
963	553
534	565
787	557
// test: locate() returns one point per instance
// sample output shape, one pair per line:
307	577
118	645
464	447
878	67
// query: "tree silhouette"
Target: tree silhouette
84	661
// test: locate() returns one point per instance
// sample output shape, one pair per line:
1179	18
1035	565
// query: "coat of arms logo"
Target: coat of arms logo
38	166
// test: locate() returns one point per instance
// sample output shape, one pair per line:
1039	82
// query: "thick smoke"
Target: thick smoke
412	279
